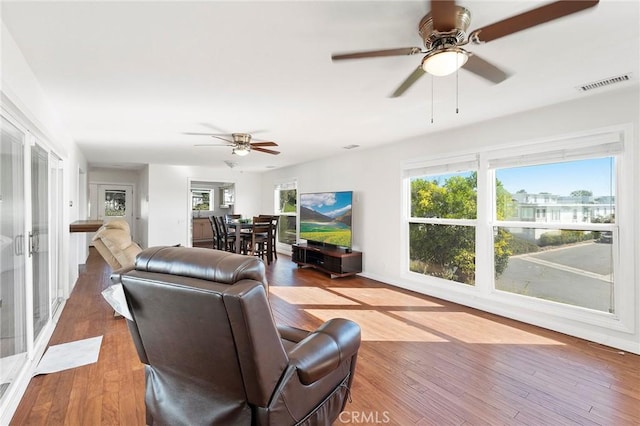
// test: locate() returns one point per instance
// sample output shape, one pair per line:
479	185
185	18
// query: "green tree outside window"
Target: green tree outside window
448	251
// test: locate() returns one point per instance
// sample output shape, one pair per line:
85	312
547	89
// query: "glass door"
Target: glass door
13	324
39	237
55	229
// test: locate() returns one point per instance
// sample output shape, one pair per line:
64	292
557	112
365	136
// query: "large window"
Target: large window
286	206
565	257
539	222
443	209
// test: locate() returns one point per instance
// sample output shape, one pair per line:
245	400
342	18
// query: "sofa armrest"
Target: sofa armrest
325	349
116	276
292	334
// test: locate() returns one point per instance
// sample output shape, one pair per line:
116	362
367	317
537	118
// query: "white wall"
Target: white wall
119	176
375	177
170	199
22	93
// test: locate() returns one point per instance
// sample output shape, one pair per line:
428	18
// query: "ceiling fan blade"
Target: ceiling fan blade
197	134
443	13
221	138
530	19
413	77
266	143
378	53
213	135
484	69
213	144
214	128
268	151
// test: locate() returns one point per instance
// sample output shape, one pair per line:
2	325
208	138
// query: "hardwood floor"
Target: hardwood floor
423	361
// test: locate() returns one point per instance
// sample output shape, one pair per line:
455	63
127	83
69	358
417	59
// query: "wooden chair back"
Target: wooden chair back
217	235
274	232
260	237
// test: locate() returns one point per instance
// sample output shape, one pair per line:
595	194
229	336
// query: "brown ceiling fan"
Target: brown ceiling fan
240	142
444	31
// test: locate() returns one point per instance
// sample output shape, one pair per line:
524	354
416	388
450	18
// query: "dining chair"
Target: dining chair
217	235
228	239
274	232
260	236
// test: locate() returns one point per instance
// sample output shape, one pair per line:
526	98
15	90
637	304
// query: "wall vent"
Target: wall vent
605	82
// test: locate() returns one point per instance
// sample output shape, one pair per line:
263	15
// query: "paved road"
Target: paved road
592	257
577	275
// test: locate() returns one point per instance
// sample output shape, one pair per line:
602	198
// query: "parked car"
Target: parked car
606	237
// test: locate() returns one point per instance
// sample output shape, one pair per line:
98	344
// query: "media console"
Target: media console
336	262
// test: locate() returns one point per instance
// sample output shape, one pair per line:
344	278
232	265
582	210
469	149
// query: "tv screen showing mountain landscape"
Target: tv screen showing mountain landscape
325	217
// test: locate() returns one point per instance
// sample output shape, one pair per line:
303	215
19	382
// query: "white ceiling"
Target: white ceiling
129	78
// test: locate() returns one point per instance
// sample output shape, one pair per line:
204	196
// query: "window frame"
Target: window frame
453	165
284	186
484	293
193	191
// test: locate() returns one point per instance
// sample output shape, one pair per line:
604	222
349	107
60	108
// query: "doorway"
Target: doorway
112	201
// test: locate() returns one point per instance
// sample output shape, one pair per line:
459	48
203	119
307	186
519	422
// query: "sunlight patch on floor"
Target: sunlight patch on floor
470	328
309	296
377	326
383	297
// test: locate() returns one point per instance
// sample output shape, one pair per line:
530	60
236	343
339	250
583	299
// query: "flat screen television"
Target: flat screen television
325	218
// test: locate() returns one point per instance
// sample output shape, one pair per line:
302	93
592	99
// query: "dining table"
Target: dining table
239	227
247	227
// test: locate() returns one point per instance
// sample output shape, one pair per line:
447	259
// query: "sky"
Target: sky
593	175
330	204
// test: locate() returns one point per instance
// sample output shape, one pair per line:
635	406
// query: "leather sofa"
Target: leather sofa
203	327
113	242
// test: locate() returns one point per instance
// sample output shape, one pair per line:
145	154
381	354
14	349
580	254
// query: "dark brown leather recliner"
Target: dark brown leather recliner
213	353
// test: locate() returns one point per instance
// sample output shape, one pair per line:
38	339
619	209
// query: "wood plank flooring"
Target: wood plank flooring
423	361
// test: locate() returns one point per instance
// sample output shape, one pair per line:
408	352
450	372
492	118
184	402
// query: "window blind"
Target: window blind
286	186
441	166
603	145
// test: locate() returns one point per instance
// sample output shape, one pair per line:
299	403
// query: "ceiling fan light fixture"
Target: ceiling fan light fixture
241	151
444	61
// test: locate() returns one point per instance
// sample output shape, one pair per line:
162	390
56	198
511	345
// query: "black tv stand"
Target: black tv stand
335	261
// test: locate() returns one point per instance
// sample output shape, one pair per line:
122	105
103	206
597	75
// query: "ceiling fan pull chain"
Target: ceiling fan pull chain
431	99
457	91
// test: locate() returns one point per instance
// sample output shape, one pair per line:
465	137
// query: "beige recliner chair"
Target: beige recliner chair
113	242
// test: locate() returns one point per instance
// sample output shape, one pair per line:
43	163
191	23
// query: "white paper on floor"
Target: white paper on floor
69	355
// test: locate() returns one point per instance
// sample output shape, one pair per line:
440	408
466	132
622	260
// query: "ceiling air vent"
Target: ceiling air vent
606	82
